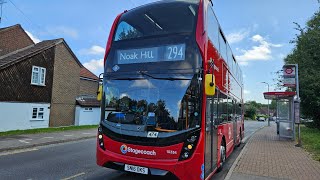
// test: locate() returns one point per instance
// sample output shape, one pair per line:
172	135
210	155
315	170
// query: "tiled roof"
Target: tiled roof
84	72
88	102
13	38
18	55
11	27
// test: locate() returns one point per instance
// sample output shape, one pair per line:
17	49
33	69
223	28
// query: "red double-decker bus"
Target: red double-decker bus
172	92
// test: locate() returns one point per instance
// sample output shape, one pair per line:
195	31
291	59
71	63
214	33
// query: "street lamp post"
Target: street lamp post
268	104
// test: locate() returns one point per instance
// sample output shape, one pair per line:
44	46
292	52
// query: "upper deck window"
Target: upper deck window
126	31
161	18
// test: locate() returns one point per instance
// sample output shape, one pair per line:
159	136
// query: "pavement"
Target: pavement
266	156
16	142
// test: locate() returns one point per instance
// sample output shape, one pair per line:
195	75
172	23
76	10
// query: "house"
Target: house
39	83
87	110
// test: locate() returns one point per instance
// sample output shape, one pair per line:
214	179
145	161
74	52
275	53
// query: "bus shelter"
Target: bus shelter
285	112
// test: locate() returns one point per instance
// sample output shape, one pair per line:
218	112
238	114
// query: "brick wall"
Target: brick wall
15	80
12	39
66	86
88	87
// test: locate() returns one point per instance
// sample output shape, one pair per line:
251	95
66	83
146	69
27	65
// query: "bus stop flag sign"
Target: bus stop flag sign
289	75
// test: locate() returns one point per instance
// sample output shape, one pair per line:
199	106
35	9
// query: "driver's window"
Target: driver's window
212	110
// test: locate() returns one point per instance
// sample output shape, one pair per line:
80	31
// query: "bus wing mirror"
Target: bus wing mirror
210	85
99	92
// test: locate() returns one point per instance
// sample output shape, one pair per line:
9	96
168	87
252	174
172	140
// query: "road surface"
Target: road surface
76	160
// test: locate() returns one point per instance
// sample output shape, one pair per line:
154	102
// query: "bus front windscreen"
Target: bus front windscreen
141	104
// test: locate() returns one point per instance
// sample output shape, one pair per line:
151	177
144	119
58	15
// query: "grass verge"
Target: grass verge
310	138
46	130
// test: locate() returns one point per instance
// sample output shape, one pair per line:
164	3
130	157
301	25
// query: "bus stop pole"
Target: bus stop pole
298	98
268	109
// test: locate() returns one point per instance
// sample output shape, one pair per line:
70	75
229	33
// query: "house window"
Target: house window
38	113
87	109
38	76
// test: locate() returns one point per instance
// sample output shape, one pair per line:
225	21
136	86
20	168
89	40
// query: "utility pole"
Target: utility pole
2	2
268	104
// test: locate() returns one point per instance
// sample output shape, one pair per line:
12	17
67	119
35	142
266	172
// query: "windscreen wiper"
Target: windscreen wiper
126	78
109	77
166	78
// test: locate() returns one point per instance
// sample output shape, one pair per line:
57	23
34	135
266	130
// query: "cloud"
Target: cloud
63	31
282	56
243	63
246	91
236	37
94	65
34	38
262	52
93	50
144	83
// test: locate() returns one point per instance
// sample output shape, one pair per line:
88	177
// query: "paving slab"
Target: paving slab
266	156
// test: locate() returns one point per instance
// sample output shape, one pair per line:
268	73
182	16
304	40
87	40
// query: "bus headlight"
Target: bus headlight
100	138
186	155
189	145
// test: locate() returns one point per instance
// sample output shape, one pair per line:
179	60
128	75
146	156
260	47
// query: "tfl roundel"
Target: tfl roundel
289	71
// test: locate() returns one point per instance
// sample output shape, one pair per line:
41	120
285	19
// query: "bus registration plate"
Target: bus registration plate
136	169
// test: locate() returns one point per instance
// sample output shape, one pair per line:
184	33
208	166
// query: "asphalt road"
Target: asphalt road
76	160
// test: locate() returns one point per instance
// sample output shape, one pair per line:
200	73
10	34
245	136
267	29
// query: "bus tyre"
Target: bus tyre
240	139
222	156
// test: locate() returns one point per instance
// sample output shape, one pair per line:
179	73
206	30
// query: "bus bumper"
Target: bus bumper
188	169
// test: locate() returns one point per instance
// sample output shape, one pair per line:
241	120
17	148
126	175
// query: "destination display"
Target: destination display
154	54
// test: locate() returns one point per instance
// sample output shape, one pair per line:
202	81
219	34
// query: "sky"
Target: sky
259	32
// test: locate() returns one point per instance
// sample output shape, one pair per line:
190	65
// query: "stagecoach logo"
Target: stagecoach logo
125	149
229	133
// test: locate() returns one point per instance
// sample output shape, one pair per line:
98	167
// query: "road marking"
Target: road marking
23	141
86	133
74	176
48	137
68	135
17	151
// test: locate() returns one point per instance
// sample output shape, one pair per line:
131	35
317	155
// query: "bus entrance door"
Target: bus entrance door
234	120
210	136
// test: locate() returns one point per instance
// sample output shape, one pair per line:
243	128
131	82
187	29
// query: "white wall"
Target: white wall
87	117
14	116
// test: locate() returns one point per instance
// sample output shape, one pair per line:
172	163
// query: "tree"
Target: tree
254	104
273	105
306	54
129	34
250	112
